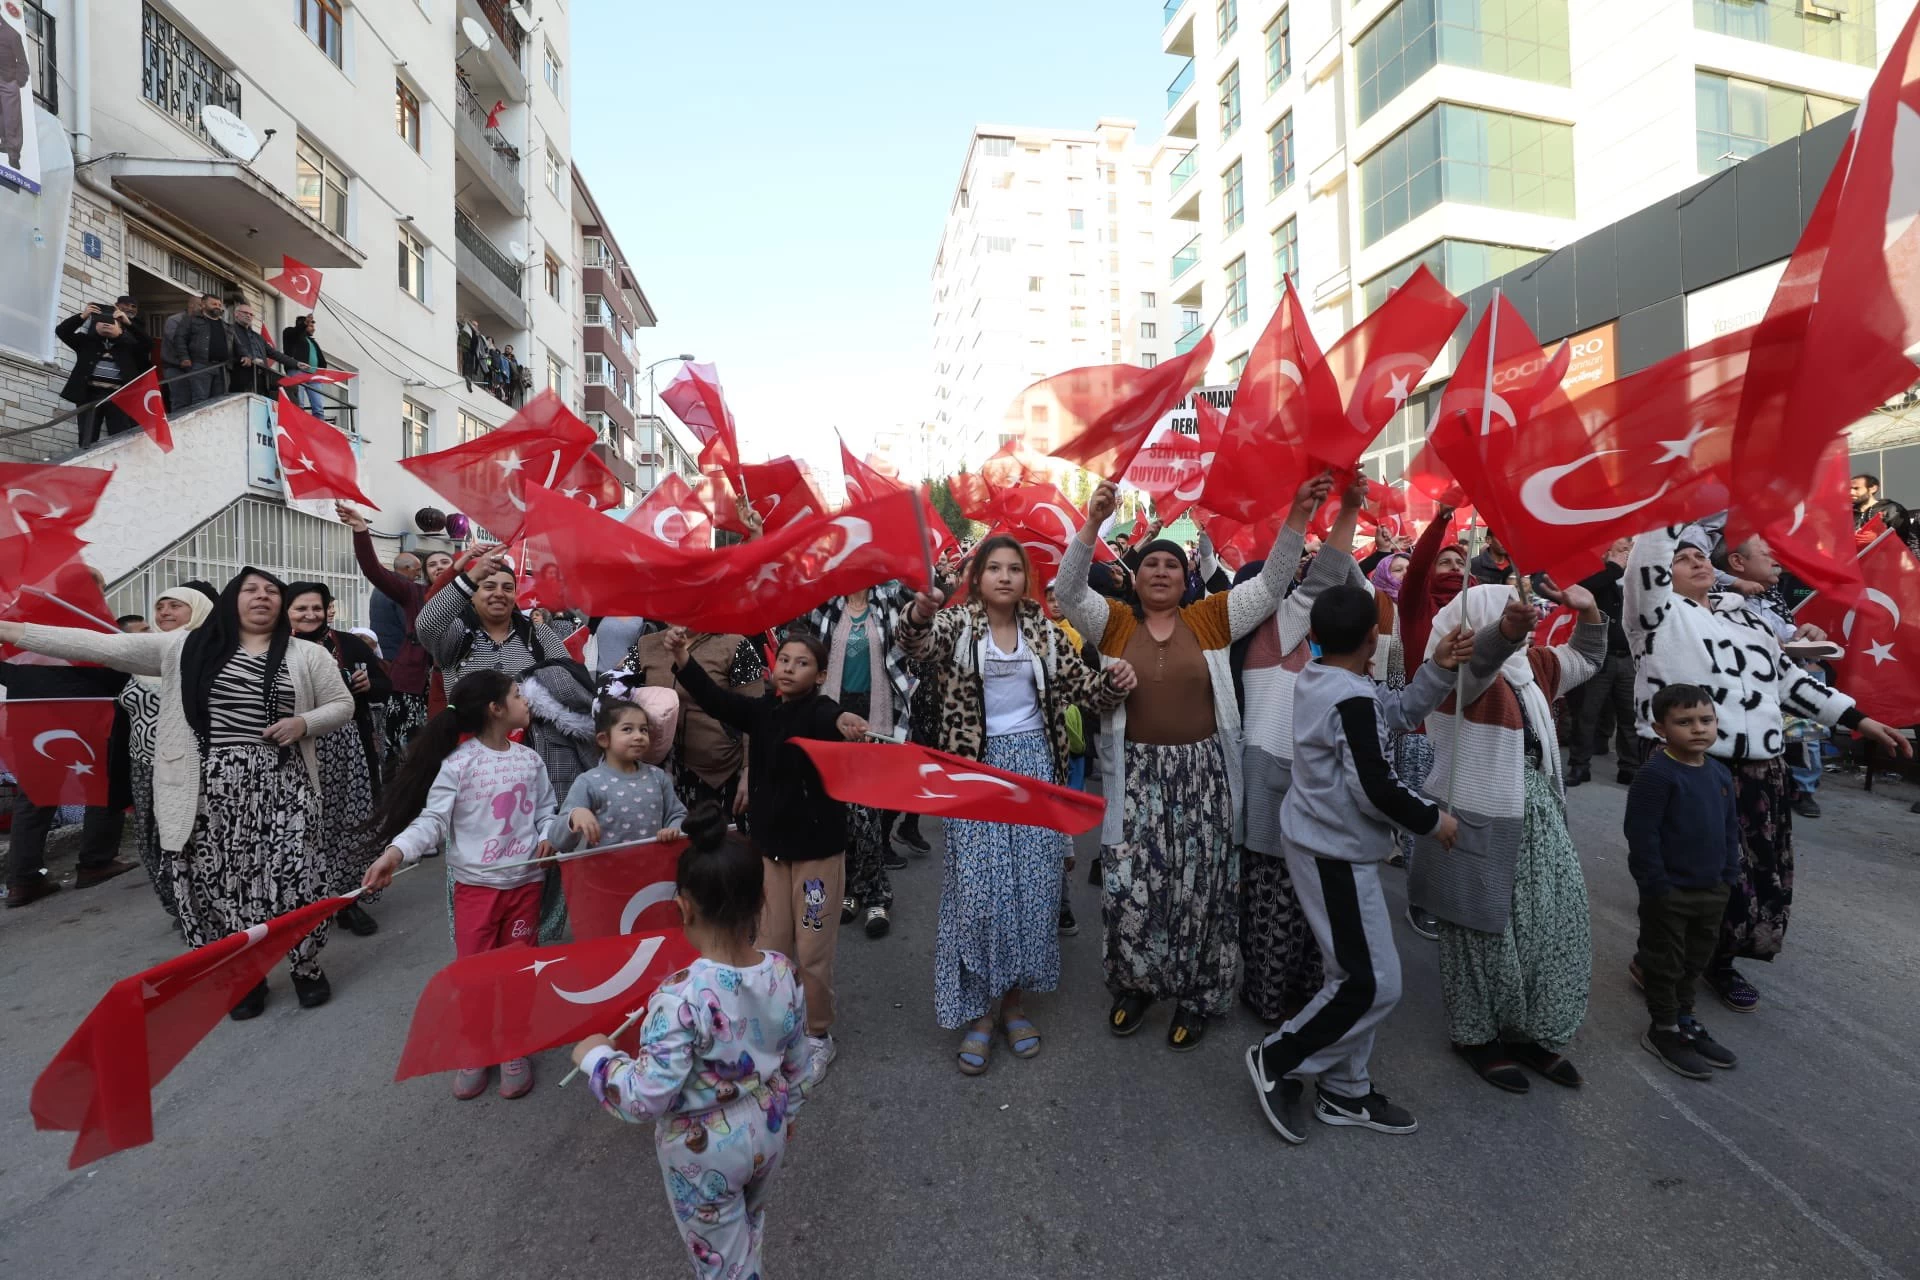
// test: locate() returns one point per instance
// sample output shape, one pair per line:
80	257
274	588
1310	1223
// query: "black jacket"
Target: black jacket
794	819
1484	570
258	377
128	351
299	346
1608	594
1891	514
28	681
13	57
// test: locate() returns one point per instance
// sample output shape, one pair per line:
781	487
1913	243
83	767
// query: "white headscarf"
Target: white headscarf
1480	607
198	609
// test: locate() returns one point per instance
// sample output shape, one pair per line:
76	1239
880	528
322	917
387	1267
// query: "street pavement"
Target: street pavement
283	1147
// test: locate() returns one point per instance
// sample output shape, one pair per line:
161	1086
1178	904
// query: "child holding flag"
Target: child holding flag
623	798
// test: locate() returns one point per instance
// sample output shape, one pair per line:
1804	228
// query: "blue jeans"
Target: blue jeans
316	403
1805	765
1077	773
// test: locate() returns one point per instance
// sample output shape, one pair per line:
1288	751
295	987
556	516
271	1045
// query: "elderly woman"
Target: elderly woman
409	667
1007	676
185	606
349	761
1171	767
1435	574
236	781
1516	946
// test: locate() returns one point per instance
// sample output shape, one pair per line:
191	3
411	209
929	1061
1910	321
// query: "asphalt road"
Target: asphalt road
284	1148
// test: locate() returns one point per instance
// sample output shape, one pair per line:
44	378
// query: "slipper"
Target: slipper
1022	1036
1128	1010
1491	1063
973	1061
1547	1063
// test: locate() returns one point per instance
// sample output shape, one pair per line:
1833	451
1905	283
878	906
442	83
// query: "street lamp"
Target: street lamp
653	410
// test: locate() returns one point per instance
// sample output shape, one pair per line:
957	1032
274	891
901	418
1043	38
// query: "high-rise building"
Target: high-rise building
1048	261
614	310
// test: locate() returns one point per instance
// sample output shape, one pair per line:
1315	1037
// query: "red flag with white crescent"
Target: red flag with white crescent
864	483
674	514
1377	365
781	492
622	889
297	281
696	399
515	1001
57	747
913	779
67	597
1880	627
1556	628
1108	411
333	376
141	400
42	508
316	460
488	478
100	1084
591	482
1817	541
1283	389
576	643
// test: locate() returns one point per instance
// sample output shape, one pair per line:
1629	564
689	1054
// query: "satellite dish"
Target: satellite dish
521	16
476	33
229	132
519	252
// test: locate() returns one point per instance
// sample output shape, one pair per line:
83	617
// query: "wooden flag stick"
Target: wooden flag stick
618	1031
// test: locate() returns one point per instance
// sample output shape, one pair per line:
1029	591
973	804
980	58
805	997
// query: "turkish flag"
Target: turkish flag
674	514
141	401
493	113
576	643
915	779
333	376
1817	543
488	478
937	528
1284	387
1107	411
57	747
1868	533
100	1084
864	484
695	397
781	492
297	281
610	569
315	459
264	335
623	888
68	597
508	1003
722	471
1174	469
1556	628
41	510
592	482
1042	519
1375	367
1881	630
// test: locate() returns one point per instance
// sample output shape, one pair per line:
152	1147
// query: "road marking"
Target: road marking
1868	1258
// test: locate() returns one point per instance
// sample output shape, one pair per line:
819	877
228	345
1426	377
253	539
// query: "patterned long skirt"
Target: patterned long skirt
254	852
346	791
146	837
406	716
867	880
1529	982
1171	903
999	899
1413	761
1755	926
1283	965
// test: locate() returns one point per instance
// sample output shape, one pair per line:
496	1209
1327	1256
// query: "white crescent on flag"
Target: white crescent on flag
153	404
1016	792
654	894
859	534
1536	494
1400	369
628	974
1871	594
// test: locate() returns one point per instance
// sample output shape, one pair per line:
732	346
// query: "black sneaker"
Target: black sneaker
252	1004
1424	923
1624	777
1716	1054
1371	1112
1577	774
1807	807
355	920
894	861
1068	925
1282	1102
848	910
313	992
911	837
1677	1051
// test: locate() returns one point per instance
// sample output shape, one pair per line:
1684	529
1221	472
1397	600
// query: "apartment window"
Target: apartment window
1233	198
594	310
556	375
320	186
413	265
1468	156
556	173
1279	50
1149	301
320	19
1286	255
1280	153
1077	286
178	76
999	244
1522	38
1036	284
1037	413
996	146
1842	29
472	427
1236	364
1230	101
594	251
1189	320
599	371
1227	18
550	68
1113	295
554	276
416	428
1148	359
1738	118
1237	292
1077	317
1460	265
1076	219
406	114
1148	329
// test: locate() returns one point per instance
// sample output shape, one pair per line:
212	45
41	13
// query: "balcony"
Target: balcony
500	63
1171	8
1182	173
1183	105
487	273
488	155
616	463
1181	83
1187	259
1176	28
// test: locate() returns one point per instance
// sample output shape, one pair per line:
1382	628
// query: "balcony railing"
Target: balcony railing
1182	172
470	235
43	42
476	111
1181	83
1189	340
1187	259
503	26
179	77
1169	10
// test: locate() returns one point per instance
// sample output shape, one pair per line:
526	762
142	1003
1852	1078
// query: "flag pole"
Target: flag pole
618	1031
73	608
1486	425
1863	553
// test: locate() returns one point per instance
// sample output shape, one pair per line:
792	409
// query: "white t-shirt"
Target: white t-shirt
1013	703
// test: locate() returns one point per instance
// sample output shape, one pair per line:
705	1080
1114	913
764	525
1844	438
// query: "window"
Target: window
472	427
594	310
556	375
556	174
999	244
1148	359
1148	329
1280	153
416	428
996	146
1149	301
320	187
1469	156
553	275
1036	284
1077	286
1076	219
599	371
413	265
1237	292
1829	29
1230	101
1461	265
1077	317
1037	413
406	114
1738	118
594	251
320	19
1233	198
178	76
1279	50
1227	18
550	68
1236	365
1522	38
1286	255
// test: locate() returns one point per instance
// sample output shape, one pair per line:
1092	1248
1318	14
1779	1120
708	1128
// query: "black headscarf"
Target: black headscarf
218	639
297	589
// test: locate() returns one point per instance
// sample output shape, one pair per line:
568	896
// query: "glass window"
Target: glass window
1471	156
1233	198
1237	364
553	276
1460	265
321	20
1077	286
1149	300
1526	39
406	113
1279	50
320	186
595	309
1076	219
996	146
1237	292
1148	329
176	75
556	375
1843	30
550	68
416	428
1036	284
413	265
1230	101
1077	317
1148	359
1227	18
1286	255
599	372
1734	119
1280	153
472	427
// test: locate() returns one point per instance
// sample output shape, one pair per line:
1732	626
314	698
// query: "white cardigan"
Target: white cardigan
320	698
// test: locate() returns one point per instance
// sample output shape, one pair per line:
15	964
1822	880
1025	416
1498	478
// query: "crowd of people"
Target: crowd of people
1268	743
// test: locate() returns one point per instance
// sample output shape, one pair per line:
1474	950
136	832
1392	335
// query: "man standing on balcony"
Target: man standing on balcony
253	355
298	341
198	345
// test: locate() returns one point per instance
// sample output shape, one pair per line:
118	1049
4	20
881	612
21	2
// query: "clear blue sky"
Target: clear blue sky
779	173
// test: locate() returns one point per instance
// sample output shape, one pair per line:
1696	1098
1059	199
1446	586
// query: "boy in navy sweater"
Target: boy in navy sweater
1683	848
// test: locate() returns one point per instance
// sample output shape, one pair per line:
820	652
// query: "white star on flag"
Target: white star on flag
80	767
1681	450
1881	653
537	966
509	464
1398	389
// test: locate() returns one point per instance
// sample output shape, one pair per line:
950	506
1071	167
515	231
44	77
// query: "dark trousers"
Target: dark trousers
110	416
1678	933
27	855
1603	706
13	133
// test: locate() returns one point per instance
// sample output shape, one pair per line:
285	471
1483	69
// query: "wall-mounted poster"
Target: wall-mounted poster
19	138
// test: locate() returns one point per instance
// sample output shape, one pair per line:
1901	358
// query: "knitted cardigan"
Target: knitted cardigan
1216	621
884	604
1471	884
320	697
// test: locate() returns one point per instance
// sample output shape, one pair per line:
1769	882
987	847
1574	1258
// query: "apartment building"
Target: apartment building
614	309
1048	261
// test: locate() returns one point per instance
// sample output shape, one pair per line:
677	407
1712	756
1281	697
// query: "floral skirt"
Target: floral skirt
146	837
406	716
1284	969
346	790
1171	900
867	880
1412	761
1755	926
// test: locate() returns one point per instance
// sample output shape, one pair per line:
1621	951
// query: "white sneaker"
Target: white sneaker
820	1051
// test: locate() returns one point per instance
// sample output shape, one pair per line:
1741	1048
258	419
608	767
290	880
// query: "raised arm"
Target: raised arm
1252	602
1088	610
1647	590
379	576
1416	594
438	626
137	655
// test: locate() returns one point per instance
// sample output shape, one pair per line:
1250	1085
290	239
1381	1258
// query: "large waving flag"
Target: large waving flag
915	779
488	478
1880	628
316	461
1106	412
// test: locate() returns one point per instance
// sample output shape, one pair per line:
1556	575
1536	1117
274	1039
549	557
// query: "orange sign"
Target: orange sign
1590	365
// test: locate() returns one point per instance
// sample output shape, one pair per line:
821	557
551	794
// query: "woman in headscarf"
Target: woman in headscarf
236	782
1435	574
186	605
349	759
1516	946
410	668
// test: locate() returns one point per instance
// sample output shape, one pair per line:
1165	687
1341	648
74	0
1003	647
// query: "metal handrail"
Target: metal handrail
1181	83
469	234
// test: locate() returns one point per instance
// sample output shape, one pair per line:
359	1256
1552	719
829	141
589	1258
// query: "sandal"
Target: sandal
973	1060
1022	1036
1184	1035
1548	1063
1491	1063
1128	1009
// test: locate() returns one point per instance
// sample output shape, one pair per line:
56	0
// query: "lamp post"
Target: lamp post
653	410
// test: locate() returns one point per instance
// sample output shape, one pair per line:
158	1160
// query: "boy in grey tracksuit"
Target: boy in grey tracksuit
1336	825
